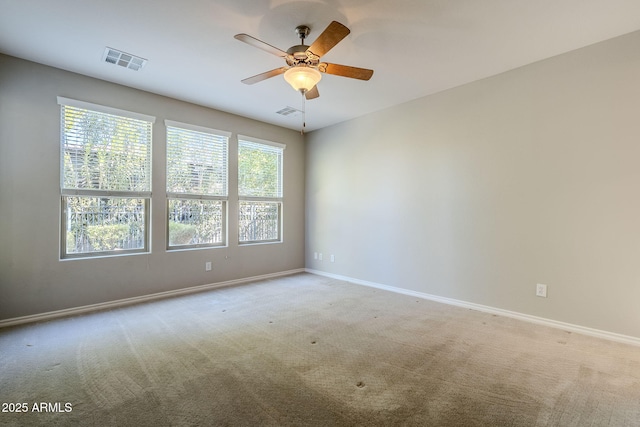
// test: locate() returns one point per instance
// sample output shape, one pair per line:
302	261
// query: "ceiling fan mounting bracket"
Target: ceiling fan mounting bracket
302	31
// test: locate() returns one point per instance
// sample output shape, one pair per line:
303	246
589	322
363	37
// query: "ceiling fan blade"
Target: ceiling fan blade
264	76
260	45
330	37
346	71
313	93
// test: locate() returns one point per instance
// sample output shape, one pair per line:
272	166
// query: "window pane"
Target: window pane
196	162
100	224
259	170
105	152
259	221
196	222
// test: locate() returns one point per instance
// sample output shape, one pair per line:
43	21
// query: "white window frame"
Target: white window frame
278	200
67	193
191	196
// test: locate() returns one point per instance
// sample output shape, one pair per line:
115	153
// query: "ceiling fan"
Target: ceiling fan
304	69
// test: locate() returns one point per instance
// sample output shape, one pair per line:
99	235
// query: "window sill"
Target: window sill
270	242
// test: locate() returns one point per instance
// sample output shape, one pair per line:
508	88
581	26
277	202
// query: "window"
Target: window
105	180
196	186
259	190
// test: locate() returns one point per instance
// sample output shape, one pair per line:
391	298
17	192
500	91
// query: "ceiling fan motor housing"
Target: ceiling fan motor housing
299	54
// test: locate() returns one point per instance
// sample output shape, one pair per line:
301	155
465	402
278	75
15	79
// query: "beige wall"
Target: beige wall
480	192
32	277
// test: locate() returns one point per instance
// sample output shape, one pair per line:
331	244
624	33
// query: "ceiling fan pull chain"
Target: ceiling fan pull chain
304	117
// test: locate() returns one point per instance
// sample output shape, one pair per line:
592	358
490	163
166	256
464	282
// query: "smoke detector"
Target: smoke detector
126	60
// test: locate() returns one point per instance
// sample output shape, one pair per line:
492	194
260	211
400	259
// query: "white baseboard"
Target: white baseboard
626	339
136	300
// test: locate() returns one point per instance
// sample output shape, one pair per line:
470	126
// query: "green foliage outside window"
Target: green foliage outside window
107	237
104	224
181	234
259	172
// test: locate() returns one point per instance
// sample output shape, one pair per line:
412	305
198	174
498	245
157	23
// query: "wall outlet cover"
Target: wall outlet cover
541	290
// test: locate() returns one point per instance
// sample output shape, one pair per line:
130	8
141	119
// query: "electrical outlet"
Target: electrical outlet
320	256
541	290
315	255
333	258
207	266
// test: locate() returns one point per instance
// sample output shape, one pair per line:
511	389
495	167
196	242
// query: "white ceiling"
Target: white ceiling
416	47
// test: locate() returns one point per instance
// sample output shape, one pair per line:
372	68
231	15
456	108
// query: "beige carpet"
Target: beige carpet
307	350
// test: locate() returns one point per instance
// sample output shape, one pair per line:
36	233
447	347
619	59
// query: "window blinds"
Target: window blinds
259	170
196	161
105	152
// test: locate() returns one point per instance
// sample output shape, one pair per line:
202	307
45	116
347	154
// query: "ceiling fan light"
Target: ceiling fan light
302	78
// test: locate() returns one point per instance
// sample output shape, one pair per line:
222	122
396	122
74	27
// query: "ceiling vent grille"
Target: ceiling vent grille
116	57
289	111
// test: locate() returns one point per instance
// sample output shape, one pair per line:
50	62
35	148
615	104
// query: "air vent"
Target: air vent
116	57
289	111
